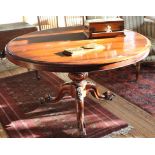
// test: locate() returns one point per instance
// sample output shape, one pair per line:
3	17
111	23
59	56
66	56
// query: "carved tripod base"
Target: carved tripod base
78	89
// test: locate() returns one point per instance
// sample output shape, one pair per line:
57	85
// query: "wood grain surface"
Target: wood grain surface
43	50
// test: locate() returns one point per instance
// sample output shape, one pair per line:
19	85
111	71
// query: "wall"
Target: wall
11	19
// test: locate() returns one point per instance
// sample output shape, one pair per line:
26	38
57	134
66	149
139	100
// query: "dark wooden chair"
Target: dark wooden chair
12	30
74	20
47	22
146	27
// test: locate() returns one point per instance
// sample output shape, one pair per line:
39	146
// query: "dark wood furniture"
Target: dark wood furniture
43	51
145	27
99	28
47	22
12	30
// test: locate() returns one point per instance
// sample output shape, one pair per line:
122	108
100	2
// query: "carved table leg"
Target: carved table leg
78	89
82	88
80	117
91	87
80	93
65	89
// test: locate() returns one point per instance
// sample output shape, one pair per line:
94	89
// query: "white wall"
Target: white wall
33	20
10	19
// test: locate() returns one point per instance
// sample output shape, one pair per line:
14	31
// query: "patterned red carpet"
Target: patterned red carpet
122	82
22	115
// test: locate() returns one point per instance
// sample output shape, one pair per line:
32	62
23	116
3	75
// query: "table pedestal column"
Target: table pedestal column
78	89
79	93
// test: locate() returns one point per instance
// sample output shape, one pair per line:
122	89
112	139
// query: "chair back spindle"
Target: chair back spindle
47	22
74	21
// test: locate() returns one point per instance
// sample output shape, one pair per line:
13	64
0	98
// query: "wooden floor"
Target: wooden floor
143	123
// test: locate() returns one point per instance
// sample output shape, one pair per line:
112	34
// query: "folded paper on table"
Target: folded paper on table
89	48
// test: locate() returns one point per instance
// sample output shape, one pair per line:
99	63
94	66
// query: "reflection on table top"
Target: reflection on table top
47	47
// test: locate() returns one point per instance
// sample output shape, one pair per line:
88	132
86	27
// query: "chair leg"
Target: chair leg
37	75
137	70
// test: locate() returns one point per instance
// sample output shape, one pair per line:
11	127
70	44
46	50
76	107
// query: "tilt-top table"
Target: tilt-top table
43	50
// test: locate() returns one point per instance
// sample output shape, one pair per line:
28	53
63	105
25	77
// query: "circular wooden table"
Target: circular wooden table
43	50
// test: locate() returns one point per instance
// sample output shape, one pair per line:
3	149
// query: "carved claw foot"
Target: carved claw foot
80	121
90	87
82	133
66	88
108	95
42	100
81	128
48	98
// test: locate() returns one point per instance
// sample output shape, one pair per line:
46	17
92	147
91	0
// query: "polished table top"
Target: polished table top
43	50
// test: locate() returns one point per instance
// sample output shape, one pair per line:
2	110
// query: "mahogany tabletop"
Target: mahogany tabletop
42	50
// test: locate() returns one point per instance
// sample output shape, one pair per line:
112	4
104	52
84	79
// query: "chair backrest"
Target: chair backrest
94	17
100	17
74	20
134	23
47	22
